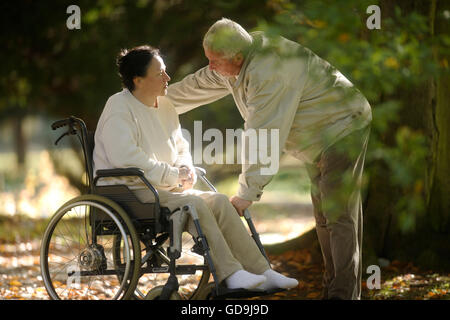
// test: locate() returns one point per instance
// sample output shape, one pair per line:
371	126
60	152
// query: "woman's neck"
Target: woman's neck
149	101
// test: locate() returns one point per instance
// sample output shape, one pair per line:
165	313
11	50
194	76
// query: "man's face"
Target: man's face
224	66
154	83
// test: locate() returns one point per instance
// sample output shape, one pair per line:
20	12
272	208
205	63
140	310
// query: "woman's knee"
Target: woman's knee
198	203
220	199
220	202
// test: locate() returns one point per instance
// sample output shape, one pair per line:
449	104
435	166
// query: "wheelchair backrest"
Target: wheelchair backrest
90	144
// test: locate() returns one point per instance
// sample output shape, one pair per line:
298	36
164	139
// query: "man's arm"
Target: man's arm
200	88
272	104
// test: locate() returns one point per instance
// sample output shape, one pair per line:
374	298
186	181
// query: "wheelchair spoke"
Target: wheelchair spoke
191	269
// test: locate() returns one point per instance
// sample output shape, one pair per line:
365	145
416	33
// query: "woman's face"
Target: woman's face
155	82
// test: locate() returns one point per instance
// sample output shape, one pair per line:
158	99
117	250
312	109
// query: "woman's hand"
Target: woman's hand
183	173
186	178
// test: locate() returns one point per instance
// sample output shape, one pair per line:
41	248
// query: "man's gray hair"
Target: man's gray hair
227	38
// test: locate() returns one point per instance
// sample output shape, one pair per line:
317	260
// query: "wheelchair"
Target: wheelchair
108	245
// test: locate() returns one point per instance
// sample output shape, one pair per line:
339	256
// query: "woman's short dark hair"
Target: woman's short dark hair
134	63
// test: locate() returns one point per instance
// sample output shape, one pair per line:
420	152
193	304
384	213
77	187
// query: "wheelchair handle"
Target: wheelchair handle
62	123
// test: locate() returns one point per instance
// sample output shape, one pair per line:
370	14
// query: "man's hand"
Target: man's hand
240	204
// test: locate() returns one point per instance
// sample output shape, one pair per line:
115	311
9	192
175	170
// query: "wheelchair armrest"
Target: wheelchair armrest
120	172
123	172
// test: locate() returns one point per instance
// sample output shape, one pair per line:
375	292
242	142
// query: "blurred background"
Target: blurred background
49	72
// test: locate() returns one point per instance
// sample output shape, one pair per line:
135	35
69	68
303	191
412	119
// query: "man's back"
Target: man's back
329	105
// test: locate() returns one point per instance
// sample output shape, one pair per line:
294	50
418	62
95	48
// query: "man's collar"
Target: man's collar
256	44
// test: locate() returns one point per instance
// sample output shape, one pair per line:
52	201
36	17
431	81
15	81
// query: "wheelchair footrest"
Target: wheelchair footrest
225	293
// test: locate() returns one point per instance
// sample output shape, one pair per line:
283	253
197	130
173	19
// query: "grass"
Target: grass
289	185
20	228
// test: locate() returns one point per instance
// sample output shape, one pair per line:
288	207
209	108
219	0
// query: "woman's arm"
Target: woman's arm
119	137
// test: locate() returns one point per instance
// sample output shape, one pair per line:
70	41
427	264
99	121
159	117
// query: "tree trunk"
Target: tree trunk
426	108
307	240
435	226
439	119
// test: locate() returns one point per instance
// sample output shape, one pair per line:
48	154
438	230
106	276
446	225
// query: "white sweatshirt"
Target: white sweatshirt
131	134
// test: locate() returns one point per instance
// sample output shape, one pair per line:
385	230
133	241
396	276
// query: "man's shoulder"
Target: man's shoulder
275	44
276	55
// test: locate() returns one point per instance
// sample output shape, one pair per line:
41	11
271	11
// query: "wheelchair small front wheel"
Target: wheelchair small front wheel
206	292
156	292
77	252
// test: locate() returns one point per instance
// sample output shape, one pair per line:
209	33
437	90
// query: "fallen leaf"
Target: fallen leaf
15	283
313	295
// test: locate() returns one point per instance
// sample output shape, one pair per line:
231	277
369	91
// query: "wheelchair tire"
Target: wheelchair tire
155	293
75	265
206	292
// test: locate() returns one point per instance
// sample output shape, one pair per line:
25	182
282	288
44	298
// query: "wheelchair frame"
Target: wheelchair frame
148	220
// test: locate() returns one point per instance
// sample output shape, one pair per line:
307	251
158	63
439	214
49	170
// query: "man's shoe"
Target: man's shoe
324	295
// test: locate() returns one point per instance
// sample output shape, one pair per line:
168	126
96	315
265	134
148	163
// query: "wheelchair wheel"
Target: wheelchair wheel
77	260
156	292
154	258
206	292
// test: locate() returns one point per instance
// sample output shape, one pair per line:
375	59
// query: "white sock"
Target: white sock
245	280
277	280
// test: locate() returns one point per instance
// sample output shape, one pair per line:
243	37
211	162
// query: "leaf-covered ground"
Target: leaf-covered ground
399	280
20	277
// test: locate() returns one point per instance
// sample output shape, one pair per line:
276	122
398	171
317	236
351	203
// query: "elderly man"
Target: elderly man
322	119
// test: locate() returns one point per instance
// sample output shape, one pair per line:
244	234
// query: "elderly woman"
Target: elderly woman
139	127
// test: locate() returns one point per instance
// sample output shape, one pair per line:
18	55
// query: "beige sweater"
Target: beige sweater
131	134
282	85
